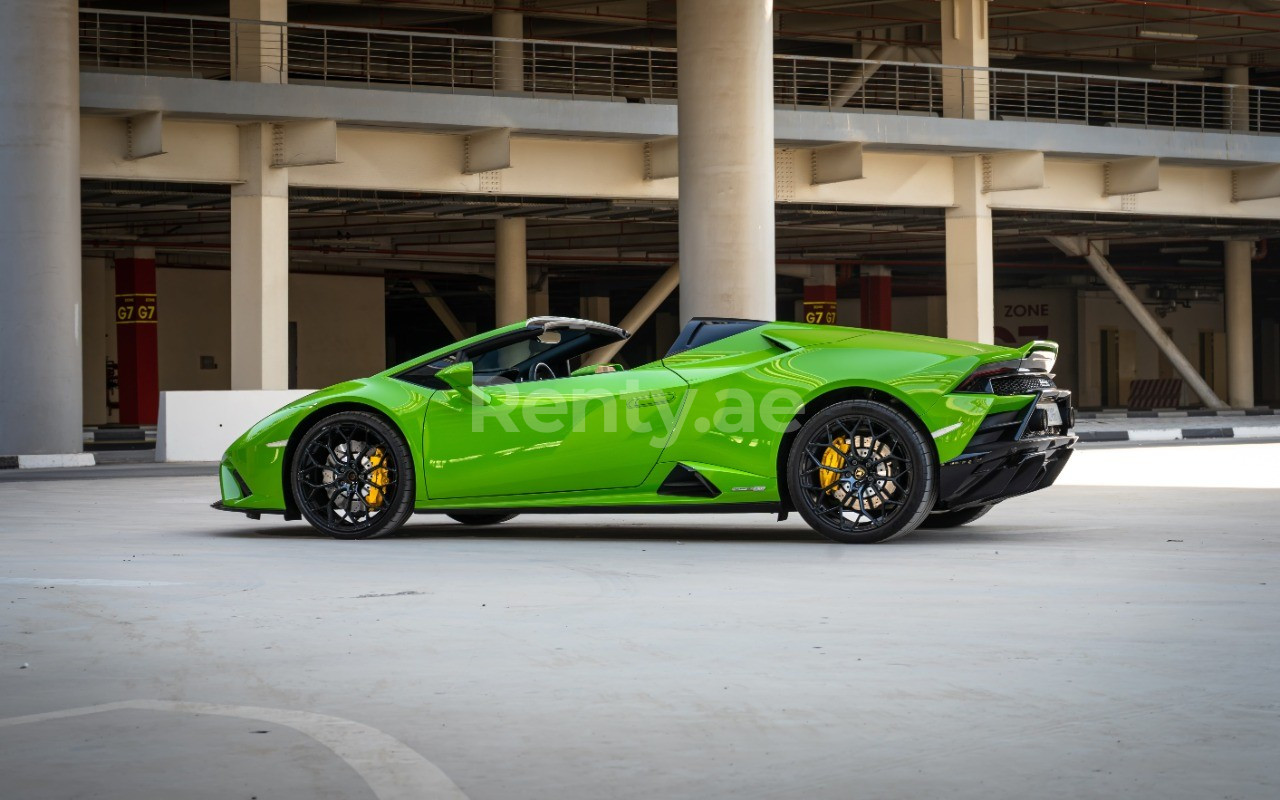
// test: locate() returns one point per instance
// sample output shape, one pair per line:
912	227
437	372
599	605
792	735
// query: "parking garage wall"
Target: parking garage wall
339	319
1197	329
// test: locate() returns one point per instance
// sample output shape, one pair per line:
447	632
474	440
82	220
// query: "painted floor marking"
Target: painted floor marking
392	769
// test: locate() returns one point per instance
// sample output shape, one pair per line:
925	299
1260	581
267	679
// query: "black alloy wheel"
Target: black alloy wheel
353	476
860	472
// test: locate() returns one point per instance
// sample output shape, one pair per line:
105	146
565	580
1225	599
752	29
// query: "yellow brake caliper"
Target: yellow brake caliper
379	477
833	459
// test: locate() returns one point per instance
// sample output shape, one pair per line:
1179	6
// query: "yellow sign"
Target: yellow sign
820	312
135	308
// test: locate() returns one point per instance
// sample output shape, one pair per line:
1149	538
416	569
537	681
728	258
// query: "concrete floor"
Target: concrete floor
1088	641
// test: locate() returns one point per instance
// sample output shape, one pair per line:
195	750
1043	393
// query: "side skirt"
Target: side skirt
689	508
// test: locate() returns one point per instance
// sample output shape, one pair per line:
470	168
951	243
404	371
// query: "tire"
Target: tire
480	518
954	519
352	476
860	472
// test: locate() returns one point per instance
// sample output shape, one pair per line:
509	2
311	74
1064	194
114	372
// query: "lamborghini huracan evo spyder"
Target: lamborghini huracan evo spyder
867	434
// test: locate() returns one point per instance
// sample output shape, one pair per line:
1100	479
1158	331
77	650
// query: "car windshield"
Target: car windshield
513	357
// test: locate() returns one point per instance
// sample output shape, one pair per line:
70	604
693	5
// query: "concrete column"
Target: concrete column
725	63
820	296
594	304
260	266
965	93
511	276
1239	313
970	259
93	354
508	57
1237	97
259	52
540	297
40	323
876	297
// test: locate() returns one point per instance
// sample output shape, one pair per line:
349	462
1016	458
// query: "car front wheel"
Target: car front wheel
353	476
860	472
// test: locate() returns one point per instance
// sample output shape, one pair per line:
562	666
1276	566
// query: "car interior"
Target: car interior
556	351
533	354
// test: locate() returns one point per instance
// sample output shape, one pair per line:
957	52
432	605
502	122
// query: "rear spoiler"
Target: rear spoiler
1039	355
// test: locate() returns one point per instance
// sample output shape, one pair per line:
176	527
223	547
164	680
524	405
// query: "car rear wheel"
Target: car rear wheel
353	476
954	519
480	518
860	472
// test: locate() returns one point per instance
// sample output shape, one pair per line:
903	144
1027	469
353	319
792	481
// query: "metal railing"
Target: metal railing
222	49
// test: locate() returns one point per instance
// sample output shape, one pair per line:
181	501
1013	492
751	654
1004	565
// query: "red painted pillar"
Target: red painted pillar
820	296
877	298
136	350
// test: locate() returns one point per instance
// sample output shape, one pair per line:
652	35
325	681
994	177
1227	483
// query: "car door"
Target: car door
599	431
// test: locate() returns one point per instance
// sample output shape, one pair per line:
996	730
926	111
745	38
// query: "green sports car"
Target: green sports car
867	434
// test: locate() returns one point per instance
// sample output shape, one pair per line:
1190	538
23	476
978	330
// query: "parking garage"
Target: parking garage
211	209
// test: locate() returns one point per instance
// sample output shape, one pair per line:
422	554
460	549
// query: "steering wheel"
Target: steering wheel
542	371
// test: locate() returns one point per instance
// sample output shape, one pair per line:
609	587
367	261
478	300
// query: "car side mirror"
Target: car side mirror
461	378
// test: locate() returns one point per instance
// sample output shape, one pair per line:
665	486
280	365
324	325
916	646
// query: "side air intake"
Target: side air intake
685	482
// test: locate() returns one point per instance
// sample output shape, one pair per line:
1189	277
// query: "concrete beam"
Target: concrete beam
1003	172
864	72
486	151
143	135
662	159
395	160
437	304
640	313
1255	183
836	163
1131	176
305	144
184	98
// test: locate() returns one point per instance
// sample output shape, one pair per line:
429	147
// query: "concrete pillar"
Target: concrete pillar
260	266
965	93
137	336
820	296
93	354
1237	97
970	259
511	278
508	57
876	297
725	63
40	316
259	52
540	297
594	304
1239	313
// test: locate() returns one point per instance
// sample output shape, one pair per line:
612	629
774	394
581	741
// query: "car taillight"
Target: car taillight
980	380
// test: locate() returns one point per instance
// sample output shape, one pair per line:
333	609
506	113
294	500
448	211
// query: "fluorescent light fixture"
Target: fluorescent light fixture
1185	249
1169	36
